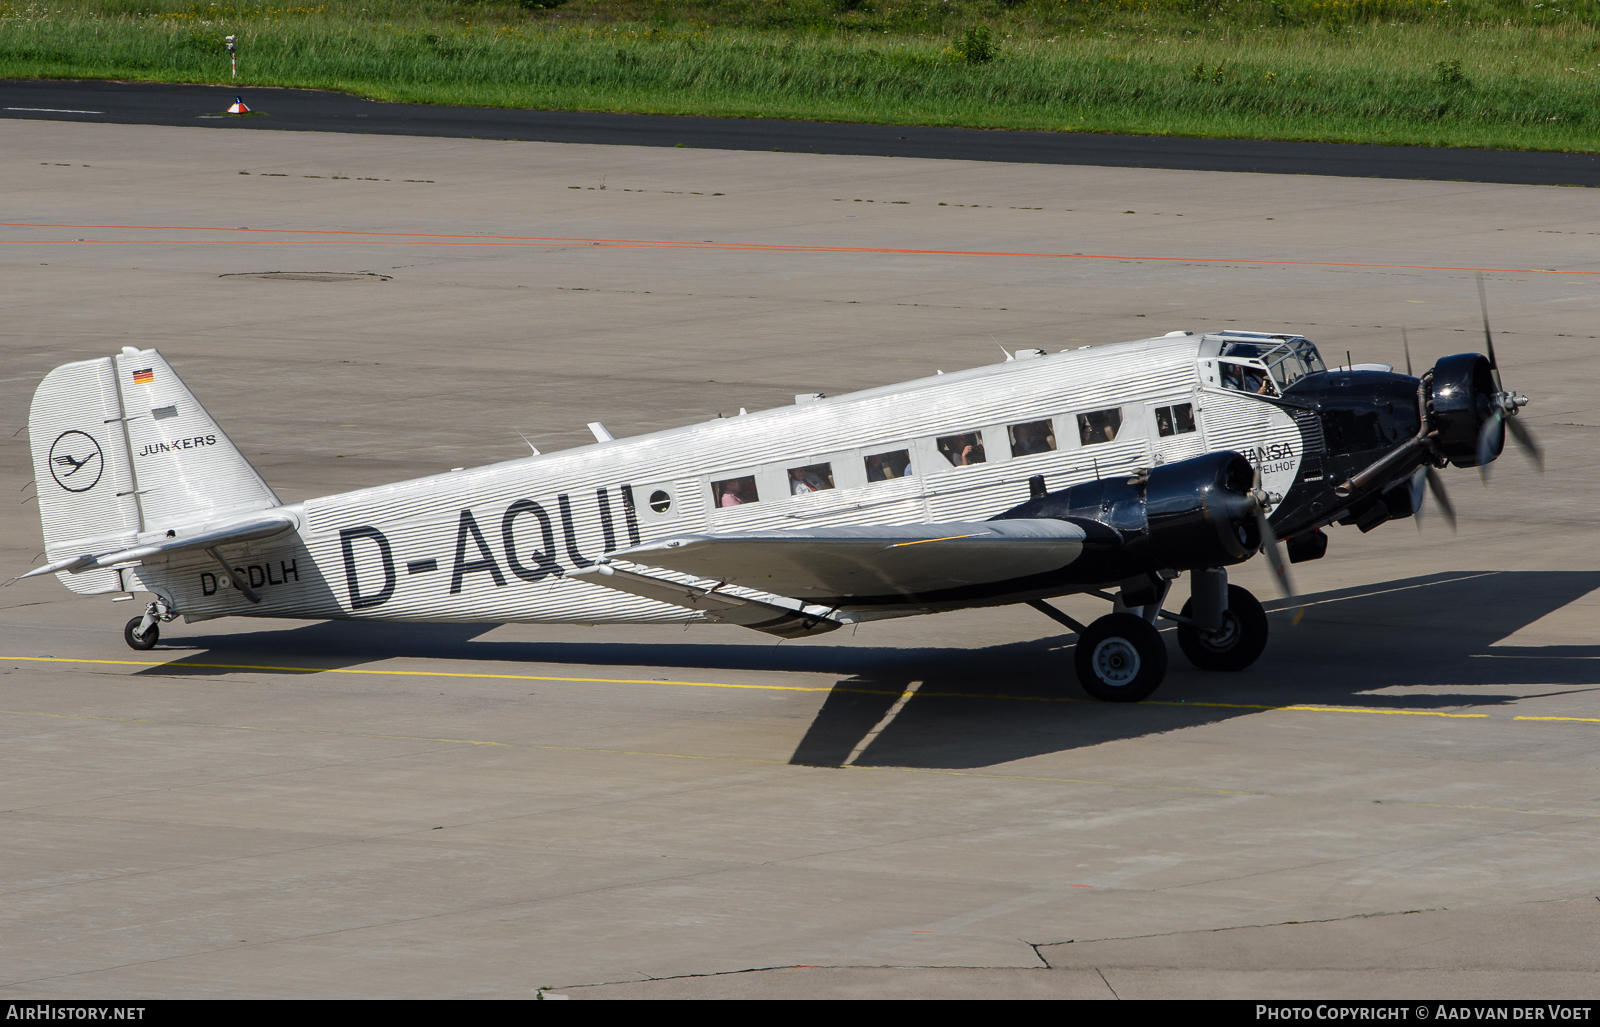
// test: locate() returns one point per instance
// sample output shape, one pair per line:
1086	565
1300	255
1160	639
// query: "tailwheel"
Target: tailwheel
141	642
1234	646
1120	658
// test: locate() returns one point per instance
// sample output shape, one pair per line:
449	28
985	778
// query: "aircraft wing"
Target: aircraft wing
840	562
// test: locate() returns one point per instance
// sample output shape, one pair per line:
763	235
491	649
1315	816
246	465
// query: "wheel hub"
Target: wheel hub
1116	662
1225	637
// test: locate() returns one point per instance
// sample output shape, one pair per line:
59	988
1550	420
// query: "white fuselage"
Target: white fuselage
492	544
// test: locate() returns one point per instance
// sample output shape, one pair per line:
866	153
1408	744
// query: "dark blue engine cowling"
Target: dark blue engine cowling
1195	513
1460	398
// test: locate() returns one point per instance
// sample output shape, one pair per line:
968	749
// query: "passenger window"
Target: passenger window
735	491
811	478
883	466
1033	437
962	450
1175	420
1099	426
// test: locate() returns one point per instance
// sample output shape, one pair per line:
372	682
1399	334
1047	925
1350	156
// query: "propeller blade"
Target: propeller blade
1436	486
1525	438
1491	438
1419	491
1269	543
1488	339
1280	566
1406	345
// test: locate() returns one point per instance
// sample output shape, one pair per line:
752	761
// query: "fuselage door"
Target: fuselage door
1174	429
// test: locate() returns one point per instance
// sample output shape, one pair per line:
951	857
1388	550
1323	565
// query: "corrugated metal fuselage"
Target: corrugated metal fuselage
495	543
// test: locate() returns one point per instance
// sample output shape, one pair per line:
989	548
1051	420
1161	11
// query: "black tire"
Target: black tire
1240	642
1121	658
152	634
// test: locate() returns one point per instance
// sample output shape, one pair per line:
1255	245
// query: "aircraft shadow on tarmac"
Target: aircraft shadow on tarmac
1430	637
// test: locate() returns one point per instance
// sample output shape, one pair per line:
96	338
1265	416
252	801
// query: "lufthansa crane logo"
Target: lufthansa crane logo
76	462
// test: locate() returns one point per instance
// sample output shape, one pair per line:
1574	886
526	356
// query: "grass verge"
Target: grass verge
1482	73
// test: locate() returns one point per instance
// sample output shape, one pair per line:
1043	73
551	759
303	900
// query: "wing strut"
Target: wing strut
775	615
1056	615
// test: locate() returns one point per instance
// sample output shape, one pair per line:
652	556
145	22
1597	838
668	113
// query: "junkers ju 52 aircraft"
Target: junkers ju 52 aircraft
1136	462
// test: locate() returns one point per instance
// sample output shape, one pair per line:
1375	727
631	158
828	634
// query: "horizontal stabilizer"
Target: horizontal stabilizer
837	563
255	529
776	616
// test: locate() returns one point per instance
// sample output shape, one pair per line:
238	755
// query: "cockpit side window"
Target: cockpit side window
1247	378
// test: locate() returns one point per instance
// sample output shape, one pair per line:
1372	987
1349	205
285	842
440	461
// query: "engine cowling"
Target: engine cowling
1194	513
1460	394
1198	512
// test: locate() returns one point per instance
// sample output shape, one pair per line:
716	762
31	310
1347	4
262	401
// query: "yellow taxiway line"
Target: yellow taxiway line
180	665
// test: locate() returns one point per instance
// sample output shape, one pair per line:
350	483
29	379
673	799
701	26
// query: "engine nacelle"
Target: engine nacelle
1198	513
1460	399
1194	513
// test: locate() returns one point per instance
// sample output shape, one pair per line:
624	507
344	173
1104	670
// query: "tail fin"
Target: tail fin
122	451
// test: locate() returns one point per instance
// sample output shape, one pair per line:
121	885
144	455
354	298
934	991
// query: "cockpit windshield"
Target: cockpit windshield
1288	360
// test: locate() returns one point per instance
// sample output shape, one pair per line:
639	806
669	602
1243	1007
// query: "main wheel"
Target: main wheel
151	635
1121	658
1237	644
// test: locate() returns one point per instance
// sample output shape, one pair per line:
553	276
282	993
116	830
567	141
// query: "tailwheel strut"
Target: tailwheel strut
142	633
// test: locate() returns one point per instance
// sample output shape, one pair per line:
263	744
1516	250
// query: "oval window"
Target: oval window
660	502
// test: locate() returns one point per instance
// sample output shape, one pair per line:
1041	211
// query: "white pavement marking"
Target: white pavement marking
888	718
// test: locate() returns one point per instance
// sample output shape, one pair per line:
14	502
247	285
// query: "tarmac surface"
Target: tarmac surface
1401	799
158	103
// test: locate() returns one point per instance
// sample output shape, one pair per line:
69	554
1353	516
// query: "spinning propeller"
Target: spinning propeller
1492	437
1427	476
1498	409
1259	501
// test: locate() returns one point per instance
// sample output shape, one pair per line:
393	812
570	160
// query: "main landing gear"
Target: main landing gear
1122	657
142	633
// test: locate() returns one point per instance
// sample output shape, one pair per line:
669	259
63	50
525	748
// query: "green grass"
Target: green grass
1487	73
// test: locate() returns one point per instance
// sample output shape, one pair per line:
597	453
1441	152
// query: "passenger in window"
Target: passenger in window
962	450
732	492
1030	438
1099	426
1164	421
806	479
883	466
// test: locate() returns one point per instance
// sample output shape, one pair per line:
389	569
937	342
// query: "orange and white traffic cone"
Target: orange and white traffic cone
238	106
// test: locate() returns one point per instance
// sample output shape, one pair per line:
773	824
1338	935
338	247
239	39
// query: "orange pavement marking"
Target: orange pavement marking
449	239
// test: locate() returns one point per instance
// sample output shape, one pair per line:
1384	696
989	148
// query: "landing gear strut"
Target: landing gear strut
1238	640
142	633
1122	657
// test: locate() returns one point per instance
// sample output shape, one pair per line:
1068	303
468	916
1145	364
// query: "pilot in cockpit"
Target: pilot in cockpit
1243	378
